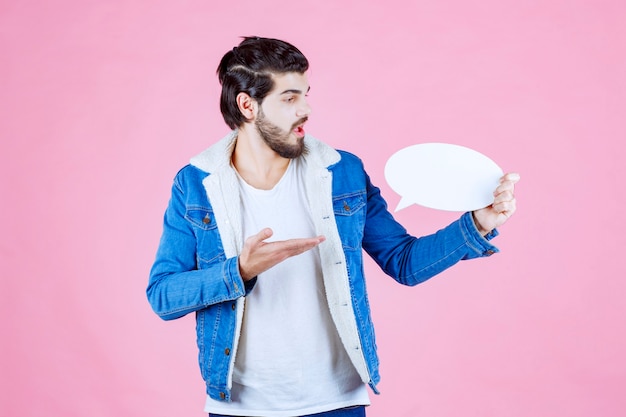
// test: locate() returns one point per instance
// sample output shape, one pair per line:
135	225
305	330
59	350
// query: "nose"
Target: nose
304	109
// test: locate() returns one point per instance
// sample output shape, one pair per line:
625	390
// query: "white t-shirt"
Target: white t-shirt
290	360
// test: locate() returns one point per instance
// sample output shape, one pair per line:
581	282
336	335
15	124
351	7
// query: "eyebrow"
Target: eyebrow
294	91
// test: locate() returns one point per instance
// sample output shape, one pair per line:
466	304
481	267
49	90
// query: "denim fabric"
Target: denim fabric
358	411
191	272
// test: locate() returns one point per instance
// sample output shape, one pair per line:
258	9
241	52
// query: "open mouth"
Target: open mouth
299	129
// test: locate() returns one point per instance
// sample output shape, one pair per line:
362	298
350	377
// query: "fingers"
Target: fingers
298	246
511	176
260	237
295	246
505	191
506	208
507	183
287	248
503	206
504	196
258	256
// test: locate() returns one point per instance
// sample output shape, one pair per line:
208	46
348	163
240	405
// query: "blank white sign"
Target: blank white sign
442	176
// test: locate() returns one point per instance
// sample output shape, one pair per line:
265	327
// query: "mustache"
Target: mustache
299	122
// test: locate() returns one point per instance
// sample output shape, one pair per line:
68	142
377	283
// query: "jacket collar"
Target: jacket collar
217	157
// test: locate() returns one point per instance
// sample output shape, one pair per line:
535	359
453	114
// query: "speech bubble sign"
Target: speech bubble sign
442	176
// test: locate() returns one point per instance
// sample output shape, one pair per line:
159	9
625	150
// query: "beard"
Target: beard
278	139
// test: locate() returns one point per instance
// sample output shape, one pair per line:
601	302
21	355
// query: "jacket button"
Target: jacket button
226	351
346	206
206	219
490	252
234	306
222	396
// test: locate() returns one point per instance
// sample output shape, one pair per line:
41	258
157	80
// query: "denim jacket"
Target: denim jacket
196	266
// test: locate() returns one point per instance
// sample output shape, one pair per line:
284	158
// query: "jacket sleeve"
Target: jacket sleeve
411	260
177	286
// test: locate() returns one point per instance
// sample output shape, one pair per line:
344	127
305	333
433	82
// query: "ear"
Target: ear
247	106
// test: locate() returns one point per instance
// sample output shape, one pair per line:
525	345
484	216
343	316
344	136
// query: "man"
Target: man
263	239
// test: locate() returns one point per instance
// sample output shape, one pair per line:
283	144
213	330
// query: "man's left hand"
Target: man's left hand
501	209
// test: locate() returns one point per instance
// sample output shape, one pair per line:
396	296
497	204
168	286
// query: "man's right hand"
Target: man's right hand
258	256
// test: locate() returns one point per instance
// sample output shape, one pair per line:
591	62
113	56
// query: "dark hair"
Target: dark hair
248	68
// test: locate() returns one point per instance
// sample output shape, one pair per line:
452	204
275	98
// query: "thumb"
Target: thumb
262	235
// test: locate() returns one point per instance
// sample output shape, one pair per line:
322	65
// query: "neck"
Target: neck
257	164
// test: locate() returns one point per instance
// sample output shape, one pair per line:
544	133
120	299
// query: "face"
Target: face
282	114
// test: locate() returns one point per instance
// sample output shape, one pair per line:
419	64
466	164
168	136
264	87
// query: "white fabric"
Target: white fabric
290	360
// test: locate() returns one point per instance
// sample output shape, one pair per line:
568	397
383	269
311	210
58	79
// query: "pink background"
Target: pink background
102	102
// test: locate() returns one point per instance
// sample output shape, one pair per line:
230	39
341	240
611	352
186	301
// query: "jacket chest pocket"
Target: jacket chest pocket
208	243
350	217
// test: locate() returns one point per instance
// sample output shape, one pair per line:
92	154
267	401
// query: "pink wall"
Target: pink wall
102	102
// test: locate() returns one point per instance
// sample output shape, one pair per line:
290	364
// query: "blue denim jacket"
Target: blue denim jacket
196	266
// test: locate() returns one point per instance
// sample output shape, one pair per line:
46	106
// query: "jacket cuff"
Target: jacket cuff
247	285
477	242
236	286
